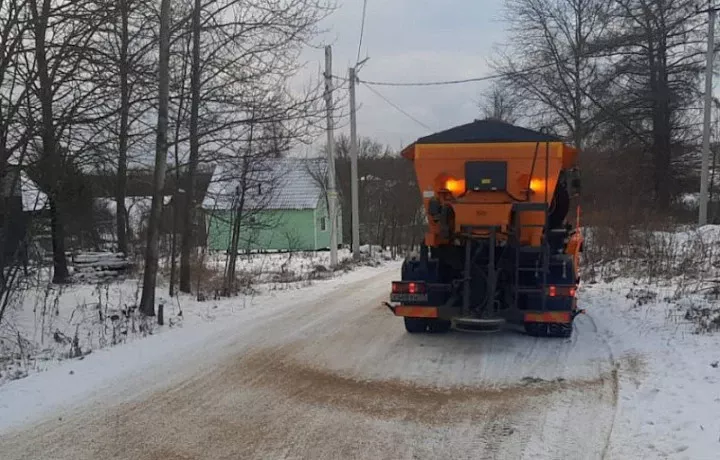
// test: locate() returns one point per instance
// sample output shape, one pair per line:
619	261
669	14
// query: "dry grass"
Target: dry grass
667	263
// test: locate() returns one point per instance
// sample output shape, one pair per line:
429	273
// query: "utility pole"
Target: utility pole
331	195
704	173
354	170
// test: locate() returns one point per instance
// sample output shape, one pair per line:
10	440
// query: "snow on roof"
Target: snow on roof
33	199
287	183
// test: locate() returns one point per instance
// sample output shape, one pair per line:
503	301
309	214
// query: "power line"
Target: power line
462	81
362	30
429	83
396	107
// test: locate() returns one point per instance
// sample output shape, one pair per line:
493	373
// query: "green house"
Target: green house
281	203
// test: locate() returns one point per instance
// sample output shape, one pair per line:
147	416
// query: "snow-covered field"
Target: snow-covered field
658	308
669	392
306	372
284	267
50	323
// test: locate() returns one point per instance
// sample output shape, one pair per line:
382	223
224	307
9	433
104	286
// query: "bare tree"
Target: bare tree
241	191
147	302
244	53
499	103
71	104
551	63
16	126
187	240
128	60
124	65
260	177
657	54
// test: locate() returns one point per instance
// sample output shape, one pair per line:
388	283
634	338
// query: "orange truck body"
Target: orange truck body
439	165
491	192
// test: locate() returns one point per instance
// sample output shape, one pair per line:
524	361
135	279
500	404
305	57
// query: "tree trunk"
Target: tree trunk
177	194
52	162
230	277
60	269
147	302
661	125
121	215
235	243
189	216
173	247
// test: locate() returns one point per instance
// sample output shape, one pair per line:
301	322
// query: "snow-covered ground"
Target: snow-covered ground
208	327
308	371
50	323
282	267
669	392
658	309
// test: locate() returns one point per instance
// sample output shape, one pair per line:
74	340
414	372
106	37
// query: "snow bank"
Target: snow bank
655	295
668	373
284	267
53	323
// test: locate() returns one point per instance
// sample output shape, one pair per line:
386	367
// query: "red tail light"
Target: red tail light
561	291
408	287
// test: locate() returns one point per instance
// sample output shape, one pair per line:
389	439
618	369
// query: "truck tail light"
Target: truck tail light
408	287
561	291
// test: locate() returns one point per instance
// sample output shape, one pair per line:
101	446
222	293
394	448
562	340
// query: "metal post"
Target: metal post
354	169
702	218
466	277
331	157
492	273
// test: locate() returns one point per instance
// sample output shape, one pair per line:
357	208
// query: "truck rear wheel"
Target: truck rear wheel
416	325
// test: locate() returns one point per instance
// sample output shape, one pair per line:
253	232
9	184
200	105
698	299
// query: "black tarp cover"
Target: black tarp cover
486	131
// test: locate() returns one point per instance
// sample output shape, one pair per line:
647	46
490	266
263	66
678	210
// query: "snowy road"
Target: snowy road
338	377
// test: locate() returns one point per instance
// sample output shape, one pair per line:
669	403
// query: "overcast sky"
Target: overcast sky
414	40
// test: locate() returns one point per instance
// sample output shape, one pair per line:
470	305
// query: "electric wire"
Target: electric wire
460	81
362	31
398	108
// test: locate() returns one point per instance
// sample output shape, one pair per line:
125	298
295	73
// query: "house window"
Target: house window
323	224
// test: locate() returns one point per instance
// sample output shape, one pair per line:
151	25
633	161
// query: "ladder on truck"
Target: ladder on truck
541	269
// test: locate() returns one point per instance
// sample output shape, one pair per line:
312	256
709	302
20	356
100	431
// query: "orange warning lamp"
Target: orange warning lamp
537	185
455	186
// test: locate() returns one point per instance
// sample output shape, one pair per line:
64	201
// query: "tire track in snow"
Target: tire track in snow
615	384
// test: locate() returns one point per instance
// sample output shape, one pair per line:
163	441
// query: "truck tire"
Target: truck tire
416	325
439	326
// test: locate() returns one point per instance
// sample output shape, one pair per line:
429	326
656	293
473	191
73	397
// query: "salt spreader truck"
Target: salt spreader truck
498	248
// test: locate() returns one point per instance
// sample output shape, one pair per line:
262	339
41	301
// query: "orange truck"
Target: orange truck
499	248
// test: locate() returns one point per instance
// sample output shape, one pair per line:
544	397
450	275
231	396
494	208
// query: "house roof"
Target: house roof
33	199
140	183
286	183
486	131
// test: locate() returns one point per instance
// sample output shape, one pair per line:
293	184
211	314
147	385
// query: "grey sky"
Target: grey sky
414	40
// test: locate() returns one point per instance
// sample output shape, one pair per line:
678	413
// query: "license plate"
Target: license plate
408	297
